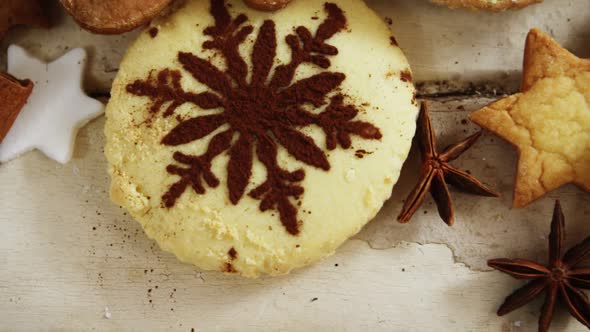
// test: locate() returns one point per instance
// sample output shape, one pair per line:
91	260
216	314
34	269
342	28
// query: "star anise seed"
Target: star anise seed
562	278
437	173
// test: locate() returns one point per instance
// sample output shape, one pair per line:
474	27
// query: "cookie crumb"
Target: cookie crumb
107	313
153	32
406	76
233	254
393	41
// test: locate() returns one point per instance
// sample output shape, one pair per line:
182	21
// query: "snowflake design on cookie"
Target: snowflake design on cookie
257	115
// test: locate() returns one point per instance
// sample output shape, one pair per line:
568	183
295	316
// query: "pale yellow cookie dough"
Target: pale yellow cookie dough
207	229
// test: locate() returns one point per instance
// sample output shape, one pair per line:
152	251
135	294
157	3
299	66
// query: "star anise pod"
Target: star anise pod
562	278
436	173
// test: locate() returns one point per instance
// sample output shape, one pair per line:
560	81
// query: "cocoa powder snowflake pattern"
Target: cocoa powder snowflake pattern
263	113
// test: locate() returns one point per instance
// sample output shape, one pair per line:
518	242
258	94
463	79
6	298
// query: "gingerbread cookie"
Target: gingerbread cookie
493	5
267	5
255	144
113	16
22	12
548	122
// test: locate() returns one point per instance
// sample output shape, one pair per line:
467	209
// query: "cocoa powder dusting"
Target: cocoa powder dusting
233	254
153	32
406	76
229	268
259	115
393	41
361	153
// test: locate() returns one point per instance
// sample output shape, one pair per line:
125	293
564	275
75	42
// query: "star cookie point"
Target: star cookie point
545	57
246	165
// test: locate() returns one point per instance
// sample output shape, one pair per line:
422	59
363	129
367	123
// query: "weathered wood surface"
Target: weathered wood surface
457	46
67	252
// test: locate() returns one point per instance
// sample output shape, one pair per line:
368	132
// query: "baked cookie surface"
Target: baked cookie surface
493	5
548	121
255	143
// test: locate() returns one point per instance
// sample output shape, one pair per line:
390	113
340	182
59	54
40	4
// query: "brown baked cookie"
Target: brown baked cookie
22	12
13	96
113	16
267	5
492	5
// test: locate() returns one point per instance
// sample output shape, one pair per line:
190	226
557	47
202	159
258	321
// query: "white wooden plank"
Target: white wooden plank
67	252
458	46
485	227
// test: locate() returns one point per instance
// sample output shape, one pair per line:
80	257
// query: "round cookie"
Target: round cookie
493	5
255	143
113	16
267	5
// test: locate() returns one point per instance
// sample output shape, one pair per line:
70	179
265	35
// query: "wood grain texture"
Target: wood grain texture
493	228
68	252
460	47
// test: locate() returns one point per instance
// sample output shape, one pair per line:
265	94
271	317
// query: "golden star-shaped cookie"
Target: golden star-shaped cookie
548	121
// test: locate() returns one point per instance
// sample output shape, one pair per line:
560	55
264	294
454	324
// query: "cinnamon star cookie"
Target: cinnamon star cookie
255	143
548	122
493	5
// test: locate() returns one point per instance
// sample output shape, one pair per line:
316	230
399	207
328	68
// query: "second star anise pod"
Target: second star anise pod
561	279
437	172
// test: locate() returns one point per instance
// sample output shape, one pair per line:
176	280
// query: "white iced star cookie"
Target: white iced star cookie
56	109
